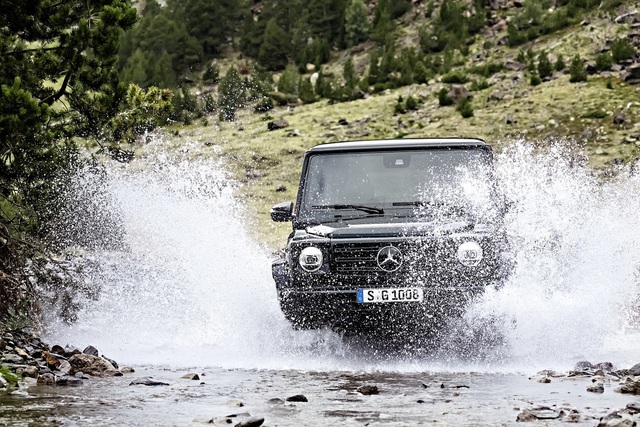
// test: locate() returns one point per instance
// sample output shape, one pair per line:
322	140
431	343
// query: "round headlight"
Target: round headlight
310	259
470	254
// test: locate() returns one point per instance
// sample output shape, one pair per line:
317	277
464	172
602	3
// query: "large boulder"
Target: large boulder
92	365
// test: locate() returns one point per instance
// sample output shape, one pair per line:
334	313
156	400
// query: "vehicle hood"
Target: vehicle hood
396	229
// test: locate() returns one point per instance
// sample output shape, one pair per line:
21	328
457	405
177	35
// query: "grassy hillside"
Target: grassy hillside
600	117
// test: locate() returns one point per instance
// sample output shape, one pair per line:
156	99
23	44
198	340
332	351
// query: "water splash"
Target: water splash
192	288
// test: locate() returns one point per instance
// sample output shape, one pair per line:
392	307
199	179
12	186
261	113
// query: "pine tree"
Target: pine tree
356	24
577	70
136	69
374	68
210	22
231	95
275	47
288	82
163	74
349	74
306	92
545	69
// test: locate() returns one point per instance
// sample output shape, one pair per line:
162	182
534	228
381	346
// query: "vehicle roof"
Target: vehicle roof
399	143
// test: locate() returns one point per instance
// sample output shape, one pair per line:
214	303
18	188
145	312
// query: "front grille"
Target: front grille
356	258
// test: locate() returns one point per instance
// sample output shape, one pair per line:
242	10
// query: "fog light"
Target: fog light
310	259
470	254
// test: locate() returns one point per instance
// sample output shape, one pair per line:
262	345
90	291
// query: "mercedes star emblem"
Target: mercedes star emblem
389	258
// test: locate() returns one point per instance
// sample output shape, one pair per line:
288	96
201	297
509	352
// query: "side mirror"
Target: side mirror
282	212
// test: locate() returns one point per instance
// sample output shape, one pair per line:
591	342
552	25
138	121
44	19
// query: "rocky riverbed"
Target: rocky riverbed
67	386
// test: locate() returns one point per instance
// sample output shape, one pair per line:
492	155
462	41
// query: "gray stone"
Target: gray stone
46	379
91	351
64	367
67	380
92	365
191	377
297	398
635	370
127	370
596	388
631	386
251	422
147	381
277	124
368	390
12	358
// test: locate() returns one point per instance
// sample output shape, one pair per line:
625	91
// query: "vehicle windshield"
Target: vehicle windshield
396	183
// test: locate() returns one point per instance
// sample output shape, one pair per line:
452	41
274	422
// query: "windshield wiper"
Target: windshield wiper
363	208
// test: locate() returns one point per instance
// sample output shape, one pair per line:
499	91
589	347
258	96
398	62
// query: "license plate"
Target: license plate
390	295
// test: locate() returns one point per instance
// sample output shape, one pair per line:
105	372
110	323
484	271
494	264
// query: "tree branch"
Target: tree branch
62	91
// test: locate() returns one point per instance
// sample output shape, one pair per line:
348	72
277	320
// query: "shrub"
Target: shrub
535	80
577	70
411	103
399	108
455	77
477	85
545	69
263	105
604	61
443	97
560	65
595	114
465	108
622	49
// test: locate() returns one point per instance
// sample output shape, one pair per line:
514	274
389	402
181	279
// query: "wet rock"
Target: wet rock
545	380
616	419
3	344
538	413
275	401
277	124
297	398
3	383
67	380
147	381
91	351
92	365
64	367
70	351
11	358
631	386
191	377
127	370
57	349
28	371
633	407
113	362
368	390
635	370
596	388
22	353
235	403
343	122
46	379
51	359
251	422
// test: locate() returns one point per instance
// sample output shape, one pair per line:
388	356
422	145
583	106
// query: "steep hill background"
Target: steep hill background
259	82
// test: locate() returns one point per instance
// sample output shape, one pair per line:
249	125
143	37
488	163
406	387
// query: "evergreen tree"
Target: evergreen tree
382	25
136	69
356	24
577	70
288	82
374	68
231	95
210	22
163	74
349	74
275	47
545	69
306	92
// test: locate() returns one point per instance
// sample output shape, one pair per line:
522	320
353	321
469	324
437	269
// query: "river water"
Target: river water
191	292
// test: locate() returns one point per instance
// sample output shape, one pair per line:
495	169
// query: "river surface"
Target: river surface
190	291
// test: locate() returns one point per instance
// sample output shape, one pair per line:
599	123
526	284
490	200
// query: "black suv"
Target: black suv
389	230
